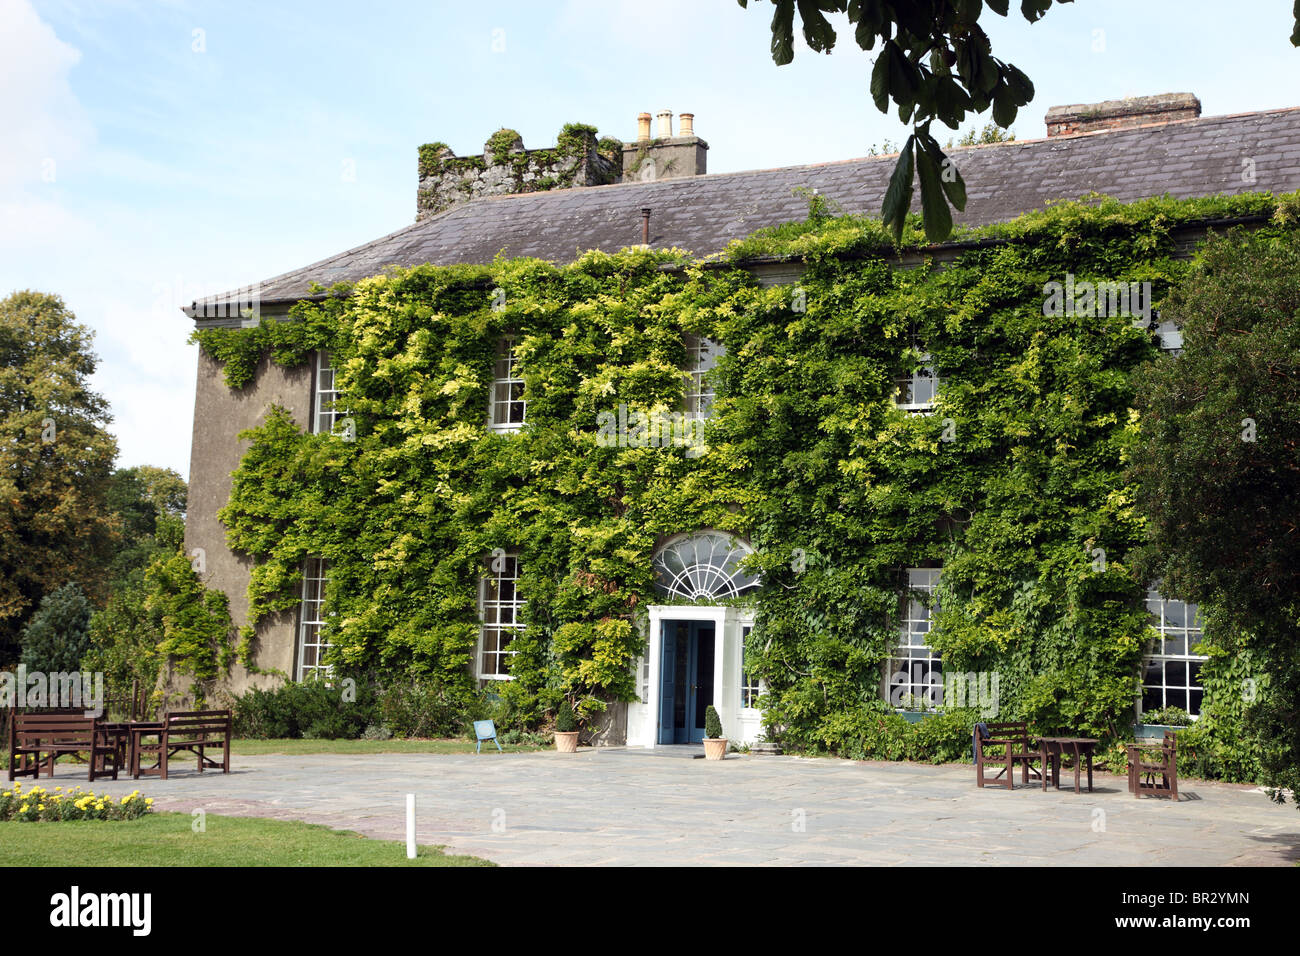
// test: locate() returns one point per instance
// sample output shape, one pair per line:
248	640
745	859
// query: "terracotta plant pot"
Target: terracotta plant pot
715	748
566	743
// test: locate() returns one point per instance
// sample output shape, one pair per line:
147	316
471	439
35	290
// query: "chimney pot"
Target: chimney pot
665	123
643	127
687	126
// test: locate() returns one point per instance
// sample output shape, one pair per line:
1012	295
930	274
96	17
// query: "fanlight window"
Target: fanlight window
703	566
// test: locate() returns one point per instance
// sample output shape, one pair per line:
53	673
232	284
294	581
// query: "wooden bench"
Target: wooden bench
52	735
189	731
1012	739
1148	761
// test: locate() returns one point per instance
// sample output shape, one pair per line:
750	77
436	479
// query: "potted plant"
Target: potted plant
566	729
715	744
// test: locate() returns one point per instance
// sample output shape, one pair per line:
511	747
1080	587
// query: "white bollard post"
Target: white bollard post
410	826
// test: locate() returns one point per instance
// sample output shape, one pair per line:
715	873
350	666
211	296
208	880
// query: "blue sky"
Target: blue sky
154	152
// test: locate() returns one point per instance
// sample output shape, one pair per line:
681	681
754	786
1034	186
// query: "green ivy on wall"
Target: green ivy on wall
1014	484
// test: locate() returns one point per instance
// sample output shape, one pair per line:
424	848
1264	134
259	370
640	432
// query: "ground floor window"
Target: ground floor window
749	686
1171	673
311	647
500	610
914	673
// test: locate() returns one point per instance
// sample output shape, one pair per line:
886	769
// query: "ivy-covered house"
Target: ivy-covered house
601	425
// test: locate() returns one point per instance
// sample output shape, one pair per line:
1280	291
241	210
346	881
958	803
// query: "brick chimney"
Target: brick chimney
666	156
1122	114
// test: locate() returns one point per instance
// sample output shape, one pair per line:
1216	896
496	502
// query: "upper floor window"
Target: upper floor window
1169	337
916	391
311	647
325	414
500	608
914	672
1171	673
507	405
701	356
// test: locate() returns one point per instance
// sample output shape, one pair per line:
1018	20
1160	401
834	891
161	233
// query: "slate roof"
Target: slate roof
702	214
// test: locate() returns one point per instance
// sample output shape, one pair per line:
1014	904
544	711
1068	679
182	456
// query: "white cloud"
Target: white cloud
44	125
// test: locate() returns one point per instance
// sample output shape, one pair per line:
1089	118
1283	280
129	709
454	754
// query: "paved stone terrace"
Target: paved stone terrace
635	807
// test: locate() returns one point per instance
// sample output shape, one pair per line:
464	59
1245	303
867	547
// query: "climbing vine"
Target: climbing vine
1014	484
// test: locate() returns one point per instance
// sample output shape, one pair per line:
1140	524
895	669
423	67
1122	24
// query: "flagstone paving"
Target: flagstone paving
634	807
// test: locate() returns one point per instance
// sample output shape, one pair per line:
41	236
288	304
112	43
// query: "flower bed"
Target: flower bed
39	804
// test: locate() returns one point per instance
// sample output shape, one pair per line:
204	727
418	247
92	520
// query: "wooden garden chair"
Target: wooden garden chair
1146	762
1010	744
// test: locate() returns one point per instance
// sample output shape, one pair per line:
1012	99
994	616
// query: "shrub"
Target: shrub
565	722
712	723
1168	716
310	709
58	634
525	738
39	804
429	709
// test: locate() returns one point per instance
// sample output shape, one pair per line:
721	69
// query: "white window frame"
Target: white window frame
1190	632
702	356
501	408
912	656
749	692
324	414
905	386
492	609
311	617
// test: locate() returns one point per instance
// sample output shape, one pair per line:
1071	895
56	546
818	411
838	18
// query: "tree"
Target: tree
55	458
58	634
149	504
124	637
1218	467
989	133
935	62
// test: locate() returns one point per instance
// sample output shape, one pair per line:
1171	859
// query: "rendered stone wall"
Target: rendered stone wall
220	414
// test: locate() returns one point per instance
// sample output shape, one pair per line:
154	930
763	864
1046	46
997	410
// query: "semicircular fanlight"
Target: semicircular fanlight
703	566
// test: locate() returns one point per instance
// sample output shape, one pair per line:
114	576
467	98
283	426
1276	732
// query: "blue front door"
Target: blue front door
685	679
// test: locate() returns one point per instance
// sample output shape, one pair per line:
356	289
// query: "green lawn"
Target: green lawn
166	839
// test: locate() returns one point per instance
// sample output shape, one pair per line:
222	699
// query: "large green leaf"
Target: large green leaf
954	186
783	32
817	30
934	203
898	197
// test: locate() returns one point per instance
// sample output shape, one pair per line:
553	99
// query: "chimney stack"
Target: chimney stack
1122	114
665	156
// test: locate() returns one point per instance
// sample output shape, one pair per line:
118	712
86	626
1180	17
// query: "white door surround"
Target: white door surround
643	717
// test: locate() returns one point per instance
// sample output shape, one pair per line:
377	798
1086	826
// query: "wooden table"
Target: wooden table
1052	748
130	732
